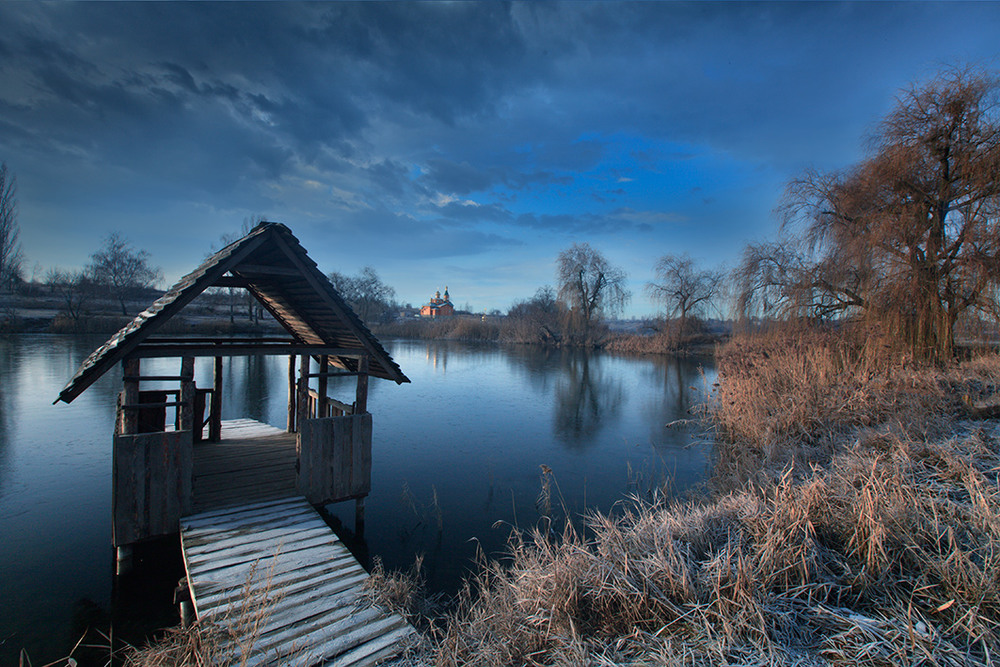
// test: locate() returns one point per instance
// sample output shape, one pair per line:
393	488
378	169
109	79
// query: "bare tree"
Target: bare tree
121	269
73	287
683	289
370	298
589	285
11	259
910	237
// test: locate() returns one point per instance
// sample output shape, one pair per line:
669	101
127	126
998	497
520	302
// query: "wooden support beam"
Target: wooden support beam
361	397
303	392
291	394
322	385
130	396
207	349
186	409
215	416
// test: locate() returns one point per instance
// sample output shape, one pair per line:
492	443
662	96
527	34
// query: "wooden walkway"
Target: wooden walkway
278	561
252	462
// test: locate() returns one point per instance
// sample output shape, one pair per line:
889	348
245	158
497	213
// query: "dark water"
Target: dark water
457	459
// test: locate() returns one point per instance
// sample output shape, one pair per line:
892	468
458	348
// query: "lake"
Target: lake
456	463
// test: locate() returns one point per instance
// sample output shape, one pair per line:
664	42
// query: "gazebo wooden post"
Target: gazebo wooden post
292	401
360	408
215	418
361	397
187	418
303	392
324	364
131	368
130	396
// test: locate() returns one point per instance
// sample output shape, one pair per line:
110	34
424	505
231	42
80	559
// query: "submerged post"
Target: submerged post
359	517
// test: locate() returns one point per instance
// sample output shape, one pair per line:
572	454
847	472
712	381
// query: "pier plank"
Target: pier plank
280	551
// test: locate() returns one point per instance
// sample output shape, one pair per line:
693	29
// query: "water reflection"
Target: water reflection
586	398
6	370
455	454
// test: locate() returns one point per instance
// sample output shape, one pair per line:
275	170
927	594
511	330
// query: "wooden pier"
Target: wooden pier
278	561
251	462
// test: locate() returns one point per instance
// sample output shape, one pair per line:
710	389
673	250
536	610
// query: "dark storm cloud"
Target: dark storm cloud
445	60
409	126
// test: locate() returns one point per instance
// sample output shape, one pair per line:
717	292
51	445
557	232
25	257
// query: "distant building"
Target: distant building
439	306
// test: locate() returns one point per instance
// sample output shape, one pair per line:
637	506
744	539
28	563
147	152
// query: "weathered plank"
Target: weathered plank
308	586
335	458
152	484
251	462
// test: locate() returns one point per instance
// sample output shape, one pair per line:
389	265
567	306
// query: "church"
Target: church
439	306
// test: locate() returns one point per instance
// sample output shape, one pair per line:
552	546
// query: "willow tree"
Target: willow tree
683	288
589	285
910	237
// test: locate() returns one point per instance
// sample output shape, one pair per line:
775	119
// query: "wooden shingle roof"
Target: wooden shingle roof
273	266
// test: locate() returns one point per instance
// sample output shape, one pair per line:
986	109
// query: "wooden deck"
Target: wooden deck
252	462
279	561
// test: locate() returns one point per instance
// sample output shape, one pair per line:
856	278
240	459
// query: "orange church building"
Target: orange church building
439	306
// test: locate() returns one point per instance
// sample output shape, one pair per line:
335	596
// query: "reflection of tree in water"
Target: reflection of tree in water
586	398
255	380
6	371
683	384
539	364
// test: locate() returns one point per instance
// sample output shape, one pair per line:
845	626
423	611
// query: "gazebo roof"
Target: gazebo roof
273	266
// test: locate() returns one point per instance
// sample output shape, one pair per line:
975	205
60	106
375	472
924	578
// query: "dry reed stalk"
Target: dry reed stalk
222	642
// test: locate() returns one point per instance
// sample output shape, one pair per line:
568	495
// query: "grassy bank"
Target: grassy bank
853	518
518	331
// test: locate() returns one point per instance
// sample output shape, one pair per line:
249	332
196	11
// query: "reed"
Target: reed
228	641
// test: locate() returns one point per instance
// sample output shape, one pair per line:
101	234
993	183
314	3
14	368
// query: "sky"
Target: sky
457	144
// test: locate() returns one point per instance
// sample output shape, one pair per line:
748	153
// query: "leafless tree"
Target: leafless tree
682	288
11	259
121	269
910	237
589	285
74	288
370	298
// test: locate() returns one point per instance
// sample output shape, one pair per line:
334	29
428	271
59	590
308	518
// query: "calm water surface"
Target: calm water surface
457	459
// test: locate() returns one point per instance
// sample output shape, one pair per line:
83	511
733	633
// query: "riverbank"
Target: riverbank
853	518
514	331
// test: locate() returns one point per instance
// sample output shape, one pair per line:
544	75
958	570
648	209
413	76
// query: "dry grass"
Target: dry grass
857	523
792	397
888	556
222	642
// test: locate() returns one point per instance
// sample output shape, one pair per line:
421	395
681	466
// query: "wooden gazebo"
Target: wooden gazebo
165	471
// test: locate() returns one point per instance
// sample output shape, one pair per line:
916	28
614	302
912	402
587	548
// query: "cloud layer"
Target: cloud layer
447	142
